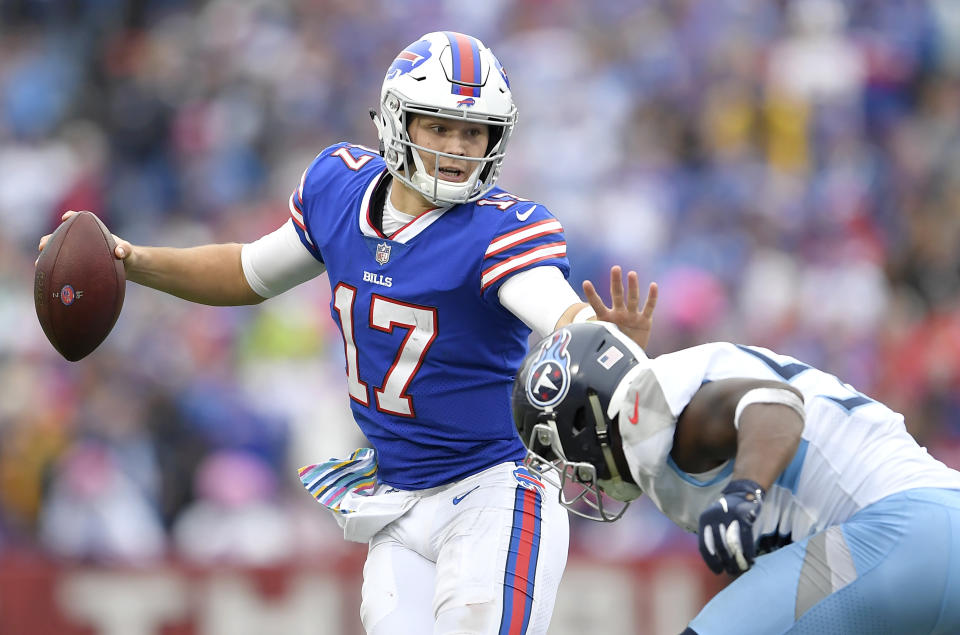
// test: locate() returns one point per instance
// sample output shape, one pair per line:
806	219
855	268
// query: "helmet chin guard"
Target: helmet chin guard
453	76
581	491
435	189
561	403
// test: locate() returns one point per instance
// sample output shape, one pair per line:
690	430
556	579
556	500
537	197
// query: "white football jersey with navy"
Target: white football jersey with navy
430	352
854	450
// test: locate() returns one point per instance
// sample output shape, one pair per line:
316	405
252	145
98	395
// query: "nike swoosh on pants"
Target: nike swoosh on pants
457	499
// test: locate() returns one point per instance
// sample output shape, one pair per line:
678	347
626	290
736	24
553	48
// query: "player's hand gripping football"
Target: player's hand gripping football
726	527
626	314
123	250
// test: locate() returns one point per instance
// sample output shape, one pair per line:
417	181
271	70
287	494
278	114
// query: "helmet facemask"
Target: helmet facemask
600	495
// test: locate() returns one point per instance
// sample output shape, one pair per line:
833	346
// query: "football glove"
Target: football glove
726	527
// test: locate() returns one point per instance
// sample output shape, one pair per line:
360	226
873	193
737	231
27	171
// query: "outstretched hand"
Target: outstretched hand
626	314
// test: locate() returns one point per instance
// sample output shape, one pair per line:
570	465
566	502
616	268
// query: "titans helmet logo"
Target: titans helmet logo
549	376
409	58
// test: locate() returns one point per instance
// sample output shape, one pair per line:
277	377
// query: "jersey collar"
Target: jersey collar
406	233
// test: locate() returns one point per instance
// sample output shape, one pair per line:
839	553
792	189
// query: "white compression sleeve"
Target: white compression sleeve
278	262
539	297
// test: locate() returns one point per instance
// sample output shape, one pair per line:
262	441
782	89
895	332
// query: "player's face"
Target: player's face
461	138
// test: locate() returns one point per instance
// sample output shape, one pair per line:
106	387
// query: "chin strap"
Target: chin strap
603	436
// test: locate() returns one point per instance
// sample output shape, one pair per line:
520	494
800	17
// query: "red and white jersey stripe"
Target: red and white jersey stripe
521	247
522	261
518	236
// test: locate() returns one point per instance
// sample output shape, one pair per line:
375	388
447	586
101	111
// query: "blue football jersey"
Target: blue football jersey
430	352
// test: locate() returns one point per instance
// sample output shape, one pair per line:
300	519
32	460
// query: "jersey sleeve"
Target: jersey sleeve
527	237
298	207
323	185
682	373
646	422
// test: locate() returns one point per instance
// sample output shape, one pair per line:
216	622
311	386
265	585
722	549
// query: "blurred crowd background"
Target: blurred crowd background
788	171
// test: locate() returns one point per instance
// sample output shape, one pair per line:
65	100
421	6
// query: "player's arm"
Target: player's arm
540	297
210	274
759	425
543	299
207	274
229	274
762	441
217	274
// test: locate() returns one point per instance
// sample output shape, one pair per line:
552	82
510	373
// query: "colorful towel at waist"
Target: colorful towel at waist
330	482
348	488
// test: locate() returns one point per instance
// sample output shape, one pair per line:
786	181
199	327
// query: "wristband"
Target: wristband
584	314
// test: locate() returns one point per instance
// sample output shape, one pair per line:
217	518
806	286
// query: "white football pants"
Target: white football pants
481	556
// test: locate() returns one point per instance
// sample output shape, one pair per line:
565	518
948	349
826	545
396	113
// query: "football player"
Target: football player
437	278
757	453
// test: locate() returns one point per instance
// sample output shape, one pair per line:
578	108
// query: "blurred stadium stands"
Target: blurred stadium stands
788	171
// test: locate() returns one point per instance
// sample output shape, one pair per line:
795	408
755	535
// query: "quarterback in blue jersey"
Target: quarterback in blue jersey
437	278
758	453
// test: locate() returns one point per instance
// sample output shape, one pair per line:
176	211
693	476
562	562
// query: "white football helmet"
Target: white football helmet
453	76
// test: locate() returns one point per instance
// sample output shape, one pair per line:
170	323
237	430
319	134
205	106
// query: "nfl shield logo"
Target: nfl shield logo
383	253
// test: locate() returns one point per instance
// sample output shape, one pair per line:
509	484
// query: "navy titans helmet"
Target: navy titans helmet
562	409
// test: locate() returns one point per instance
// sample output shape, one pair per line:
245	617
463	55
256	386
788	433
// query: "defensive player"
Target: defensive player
756	452
437	277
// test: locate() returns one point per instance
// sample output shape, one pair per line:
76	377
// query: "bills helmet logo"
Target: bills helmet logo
466	103
527	480
383	253
549	376
409	58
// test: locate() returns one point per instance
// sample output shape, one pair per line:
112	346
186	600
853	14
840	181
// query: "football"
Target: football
78	286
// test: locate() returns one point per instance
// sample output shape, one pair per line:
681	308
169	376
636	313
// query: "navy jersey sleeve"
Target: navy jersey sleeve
528	236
